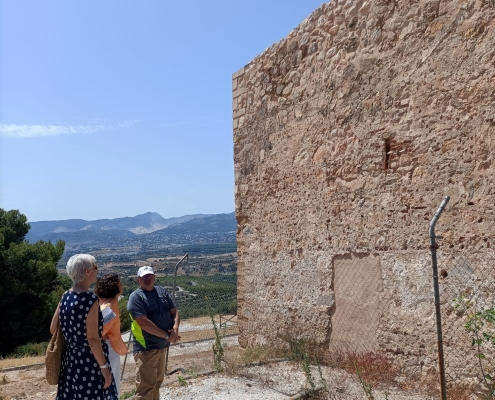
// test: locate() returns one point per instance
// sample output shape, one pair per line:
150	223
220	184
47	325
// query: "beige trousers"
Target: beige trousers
150	372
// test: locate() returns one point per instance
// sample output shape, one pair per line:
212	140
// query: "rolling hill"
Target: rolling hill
142	230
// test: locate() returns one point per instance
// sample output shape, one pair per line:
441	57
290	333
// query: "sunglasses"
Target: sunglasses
95	267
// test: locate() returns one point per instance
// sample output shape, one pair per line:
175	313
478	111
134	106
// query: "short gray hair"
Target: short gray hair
77	266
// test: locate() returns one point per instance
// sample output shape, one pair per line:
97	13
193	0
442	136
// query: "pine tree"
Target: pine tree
30	285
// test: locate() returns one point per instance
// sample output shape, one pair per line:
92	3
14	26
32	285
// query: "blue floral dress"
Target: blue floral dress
80	377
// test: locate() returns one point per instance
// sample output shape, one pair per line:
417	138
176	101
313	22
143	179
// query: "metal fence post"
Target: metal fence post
175	275
125	358
433	248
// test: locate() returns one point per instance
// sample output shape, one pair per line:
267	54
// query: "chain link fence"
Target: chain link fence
370	332
467	305
204	290
210	302
368	337
467	297
373	334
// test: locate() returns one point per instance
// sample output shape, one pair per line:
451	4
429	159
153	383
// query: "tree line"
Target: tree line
30	285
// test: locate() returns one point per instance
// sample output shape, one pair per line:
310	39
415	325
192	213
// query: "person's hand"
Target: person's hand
107	377
173	335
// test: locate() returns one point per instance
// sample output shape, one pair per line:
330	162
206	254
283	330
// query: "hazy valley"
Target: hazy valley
122	243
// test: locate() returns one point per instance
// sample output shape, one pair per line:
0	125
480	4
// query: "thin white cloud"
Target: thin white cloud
30	131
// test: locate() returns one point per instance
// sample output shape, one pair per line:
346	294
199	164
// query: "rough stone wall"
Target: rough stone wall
347	135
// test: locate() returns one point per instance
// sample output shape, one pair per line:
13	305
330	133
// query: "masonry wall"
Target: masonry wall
347	135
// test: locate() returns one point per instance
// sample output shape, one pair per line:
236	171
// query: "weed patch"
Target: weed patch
374	368
305	352
31	350
218	349
127	395
367	387
480	325
182	380
262	352
459	393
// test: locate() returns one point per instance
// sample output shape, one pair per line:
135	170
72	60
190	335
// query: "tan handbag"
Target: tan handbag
54	355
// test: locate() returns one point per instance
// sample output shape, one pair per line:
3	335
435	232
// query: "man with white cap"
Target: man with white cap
155	324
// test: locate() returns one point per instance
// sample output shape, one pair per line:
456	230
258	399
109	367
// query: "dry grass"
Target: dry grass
262	353
208	332
18	361
190	336
236	358
205	334
459	393
375	368
202	320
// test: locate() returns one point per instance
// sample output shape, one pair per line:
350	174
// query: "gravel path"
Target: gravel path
221	388
280	380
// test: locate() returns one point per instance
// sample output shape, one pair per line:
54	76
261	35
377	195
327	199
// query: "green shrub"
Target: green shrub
125	319
126	395
31	350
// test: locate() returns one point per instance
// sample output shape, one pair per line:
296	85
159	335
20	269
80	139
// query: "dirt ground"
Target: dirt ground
241	378
194	355
29	383
272	381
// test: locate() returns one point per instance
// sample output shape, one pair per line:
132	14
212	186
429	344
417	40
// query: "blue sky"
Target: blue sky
115	108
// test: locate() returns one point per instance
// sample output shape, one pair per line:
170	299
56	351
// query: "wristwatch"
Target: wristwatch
103	366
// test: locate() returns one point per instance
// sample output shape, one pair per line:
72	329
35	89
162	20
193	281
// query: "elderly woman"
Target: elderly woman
108	289
85	370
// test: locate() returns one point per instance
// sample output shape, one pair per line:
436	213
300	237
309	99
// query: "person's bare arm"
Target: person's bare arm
95	342
150	327
108	326
53	325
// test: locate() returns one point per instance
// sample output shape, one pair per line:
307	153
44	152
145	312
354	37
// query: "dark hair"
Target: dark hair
107	287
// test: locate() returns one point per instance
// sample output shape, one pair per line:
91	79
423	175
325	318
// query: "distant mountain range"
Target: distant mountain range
141	229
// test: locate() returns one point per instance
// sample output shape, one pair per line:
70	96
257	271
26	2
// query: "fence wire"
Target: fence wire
208	303
359	325
467	296
467	302
371	335
207	306
204	292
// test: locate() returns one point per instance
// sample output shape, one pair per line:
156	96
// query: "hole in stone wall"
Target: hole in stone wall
386	158
304	52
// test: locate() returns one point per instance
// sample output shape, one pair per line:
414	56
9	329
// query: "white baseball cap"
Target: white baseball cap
145	271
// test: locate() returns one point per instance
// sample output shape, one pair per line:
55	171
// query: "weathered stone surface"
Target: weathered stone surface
355	127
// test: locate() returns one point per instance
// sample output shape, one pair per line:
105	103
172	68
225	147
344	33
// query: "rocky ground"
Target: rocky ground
282	380
29	383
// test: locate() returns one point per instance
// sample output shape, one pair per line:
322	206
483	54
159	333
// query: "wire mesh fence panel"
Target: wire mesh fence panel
467	297
204	303
360	331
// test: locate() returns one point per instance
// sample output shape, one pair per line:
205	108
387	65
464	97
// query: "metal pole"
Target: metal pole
175	276
433	248
173	298
166	359
125	358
